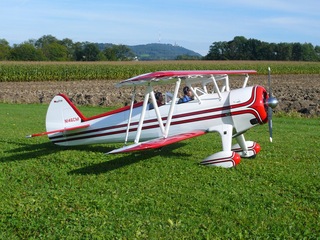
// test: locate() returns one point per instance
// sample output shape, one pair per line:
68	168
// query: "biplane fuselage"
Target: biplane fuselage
242	108
215	108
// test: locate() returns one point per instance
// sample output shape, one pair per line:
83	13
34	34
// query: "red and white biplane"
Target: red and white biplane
214	108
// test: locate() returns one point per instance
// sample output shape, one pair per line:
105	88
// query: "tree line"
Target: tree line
49	48
241	48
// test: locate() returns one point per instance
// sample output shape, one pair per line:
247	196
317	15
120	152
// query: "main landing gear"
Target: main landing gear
231	155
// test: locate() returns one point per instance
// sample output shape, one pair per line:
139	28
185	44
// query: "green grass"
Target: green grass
52	192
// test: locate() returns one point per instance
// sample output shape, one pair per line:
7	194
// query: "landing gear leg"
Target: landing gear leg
226	158
246	149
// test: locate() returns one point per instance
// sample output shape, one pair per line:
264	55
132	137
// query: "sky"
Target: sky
192	24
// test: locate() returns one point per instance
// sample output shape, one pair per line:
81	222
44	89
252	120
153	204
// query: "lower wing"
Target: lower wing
158	142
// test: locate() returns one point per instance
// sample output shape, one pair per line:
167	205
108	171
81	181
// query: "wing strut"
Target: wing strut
164	130
130	114
143	113
156	108
245	81
216	87
173	103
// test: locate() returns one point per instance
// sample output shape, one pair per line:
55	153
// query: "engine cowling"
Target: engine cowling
248	107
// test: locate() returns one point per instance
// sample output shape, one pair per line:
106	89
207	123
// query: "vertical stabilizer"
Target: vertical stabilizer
62	113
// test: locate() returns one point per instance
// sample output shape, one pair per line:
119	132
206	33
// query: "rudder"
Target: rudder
62	113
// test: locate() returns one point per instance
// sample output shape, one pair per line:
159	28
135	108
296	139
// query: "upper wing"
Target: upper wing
158	142
165	76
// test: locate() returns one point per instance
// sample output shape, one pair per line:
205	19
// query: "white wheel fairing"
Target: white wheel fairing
225	159
253	149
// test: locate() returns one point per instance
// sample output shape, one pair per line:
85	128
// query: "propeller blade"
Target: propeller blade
269	82
272	103
270	122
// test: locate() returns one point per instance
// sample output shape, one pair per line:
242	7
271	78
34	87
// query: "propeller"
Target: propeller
272	102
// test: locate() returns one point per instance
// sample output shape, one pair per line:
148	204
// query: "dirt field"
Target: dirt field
296	93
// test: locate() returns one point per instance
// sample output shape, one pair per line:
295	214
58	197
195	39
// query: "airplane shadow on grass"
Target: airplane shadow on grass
128	159
26	151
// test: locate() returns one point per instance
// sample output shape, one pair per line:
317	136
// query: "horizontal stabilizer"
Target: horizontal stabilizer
158	142
58	130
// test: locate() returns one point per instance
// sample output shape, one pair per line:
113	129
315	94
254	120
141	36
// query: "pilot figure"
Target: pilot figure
159	99
187	95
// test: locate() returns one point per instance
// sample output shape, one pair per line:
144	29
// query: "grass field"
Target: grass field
51	192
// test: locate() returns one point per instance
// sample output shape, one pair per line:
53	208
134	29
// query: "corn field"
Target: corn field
71	71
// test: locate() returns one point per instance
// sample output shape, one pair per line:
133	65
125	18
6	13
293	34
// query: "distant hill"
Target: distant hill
160	51
157	51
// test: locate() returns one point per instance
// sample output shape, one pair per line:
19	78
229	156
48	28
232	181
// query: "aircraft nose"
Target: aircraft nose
272	102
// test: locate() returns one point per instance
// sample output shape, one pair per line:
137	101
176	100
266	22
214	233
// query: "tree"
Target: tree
68	43
308	52
237	48
242	49
55	52
187	57
101	57
284	51
269	51
110	54
118	53
296	52
44	40
78	53
124	53
317	51
85	51
26	52
253	47
90	52
217	51
4	49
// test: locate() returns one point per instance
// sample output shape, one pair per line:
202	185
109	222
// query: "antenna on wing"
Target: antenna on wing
272	102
